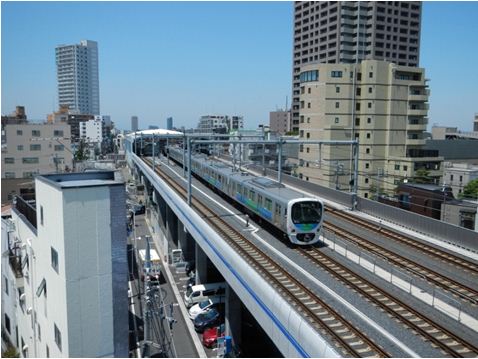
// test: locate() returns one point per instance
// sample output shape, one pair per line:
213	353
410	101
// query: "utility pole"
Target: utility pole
279	174
147	299
189	173
153	152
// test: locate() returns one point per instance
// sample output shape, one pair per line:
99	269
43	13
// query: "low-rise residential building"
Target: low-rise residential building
36	148
30	149
382	105
92	131
220	123
68	276
458	175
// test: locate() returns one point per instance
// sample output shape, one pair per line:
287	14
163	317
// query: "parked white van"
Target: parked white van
202	292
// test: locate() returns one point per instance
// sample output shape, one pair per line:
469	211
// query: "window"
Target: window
59	148
357	121
367	165
370	74
9	160
367	150
308	134
337	89
369	90
357	106
369	120
35	133
397	167
337	105
359	76
35	147
41	215
405	168
336	74
451	177
309	76
30	160
19	133
301	133
5	279
366	180
336	120
308	119
368	135
308	104
20	148
268	204
308	90
28	174
9	174
369	105
57	336
461	178
54	259
7	323
359	91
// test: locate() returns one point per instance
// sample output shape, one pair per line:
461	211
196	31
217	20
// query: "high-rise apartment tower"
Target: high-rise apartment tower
351	31
77	75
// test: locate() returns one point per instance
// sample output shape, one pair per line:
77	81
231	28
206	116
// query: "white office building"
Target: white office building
67	277
92	131
77	76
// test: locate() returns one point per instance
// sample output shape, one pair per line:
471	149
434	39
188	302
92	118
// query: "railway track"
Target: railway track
436	253
459	290
349	341
450	344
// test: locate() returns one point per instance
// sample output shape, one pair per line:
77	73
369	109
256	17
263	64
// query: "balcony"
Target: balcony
418	111
26	210
418	97
15	263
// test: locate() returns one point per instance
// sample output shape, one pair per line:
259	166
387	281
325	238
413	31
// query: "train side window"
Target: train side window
245	192
259	199
268	204
238	188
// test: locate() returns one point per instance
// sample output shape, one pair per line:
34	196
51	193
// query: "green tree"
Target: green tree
10	352
470	190
81	153
422	176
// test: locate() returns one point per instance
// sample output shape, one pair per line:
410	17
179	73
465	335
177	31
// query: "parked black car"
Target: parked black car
207	319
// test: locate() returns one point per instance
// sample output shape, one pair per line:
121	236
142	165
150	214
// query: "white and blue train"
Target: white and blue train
299	217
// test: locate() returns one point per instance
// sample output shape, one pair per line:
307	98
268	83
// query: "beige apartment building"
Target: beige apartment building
352	31
36	148
382	105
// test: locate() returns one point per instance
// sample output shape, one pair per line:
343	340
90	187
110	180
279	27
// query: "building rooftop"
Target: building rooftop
81	179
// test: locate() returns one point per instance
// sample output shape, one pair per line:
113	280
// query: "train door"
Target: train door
278	214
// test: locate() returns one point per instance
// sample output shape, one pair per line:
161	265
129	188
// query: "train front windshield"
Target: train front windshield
306	212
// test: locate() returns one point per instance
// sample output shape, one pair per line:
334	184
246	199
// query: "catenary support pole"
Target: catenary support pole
189	172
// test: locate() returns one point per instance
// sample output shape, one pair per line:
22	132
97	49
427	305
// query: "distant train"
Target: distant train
299	217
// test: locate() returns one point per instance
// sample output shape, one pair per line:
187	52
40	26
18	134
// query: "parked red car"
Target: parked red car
209	337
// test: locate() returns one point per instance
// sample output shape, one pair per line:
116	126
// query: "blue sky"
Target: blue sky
185	59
